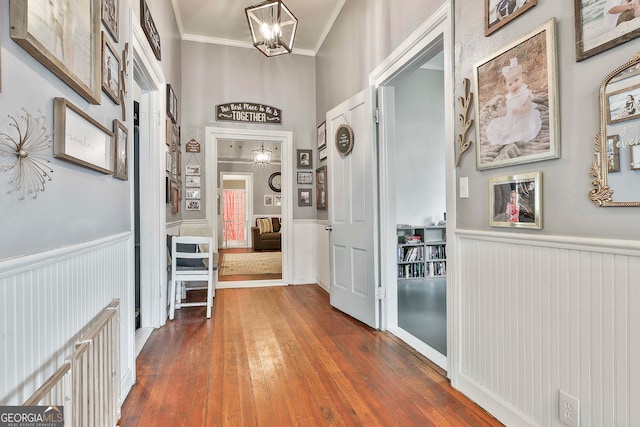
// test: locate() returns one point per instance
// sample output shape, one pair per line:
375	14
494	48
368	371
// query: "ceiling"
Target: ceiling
224	21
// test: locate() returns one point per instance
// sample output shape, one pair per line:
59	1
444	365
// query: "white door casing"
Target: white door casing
352	189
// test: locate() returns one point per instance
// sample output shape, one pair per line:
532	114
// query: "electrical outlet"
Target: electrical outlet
568	409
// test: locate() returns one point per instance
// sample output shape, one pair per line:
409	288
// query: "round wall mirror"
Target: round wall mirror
616	168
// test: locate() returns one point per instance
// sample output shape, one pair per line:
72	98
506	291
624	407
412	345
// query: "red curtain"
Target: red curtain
234	214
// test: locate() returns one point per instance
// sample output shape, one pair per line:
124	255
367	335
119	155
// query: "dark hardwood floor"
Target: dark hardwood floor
243	277
282	356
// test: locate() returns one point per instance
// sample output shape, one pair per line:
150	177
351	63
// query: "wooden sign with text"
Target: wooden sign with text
192	146
248	112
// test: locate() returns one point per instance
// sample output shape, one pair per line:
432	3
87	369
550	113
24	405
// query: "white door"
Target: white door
352	186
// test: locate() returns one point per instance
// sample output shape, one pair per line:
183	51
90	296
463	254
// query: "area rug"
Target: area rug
251	263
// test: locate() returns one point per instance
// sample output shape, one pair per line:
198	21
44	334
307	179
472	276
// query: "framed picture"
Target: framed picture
110	70
277	200
321	188
268	199
304	196
516	110
192	170
634	152
193	205
304	160
110	15
121	167
169	162
192	181
149	29
600	26
167	189
516	201
498	13
80	139
305	177
624	104
175	199
322	135
613	153
178	162
64	35
172	104
192	193
322	153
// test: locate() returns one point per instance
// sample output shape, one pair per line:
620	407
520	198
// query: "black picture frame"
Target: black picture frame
304	159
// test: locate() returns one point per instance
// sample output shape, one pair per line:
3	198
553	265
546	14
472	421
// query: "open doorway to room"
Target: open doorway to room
415	99
249	211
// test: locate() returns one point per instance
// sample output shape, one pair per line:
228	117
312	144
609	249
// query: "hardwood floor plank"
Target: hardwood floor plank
282	356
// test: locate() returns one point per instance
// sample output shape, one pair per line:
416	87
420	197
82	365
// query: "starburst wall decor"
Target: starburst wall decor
28	155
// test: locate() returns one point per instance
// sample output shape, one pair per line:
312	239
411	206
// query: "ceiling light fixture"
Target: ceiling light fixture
261	156
273	27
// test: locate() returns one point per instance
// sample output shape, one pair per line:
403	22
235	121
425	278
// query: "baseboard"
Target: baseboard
249	284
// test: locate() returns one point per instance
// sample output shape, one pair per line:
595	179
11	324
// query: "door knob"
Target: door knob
328	227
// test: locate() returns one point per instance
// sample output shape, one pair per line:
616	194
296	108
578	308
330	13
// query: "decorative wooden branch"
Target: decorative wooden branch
465	121
124	75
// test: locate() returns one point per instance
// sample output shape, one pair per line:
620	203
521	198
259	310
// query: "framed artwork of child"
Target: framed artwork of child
516	111
516	201
498	13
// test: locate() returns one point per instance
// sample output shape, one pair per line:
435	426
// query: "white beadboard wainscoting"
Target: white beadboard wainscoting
303	252
538	314
324	267
46	300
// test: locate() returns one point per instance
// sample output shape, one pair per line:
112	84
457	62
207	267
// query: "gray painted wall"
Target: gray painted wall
260	184
78	204
420	148
214	74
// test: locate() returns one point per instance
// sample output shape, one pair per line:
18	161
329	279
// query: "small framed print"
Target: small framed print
304	197
110	15
322	135
192	193
305	177
110	70
624	104
193	205
120	169
498	13
322	153
613	153
268	199
277	200
321	188
175	199
192	170
516	201
168	162
304	160
172	104
192	181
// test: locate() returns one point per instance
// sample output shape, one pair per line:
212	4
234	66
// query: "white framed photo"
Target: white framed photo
192	169
192	181
268	199
193	205
305	177
192	193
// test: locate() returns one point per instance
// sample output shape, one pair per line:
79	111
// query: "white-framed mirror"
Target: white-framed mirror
616	168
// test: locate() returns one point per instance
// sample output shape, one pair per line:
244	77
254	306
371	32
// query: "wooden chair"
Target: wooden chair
192	260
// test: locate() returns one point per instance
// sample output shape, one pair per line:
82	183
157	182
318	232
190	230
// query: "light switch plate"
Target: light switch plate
464	187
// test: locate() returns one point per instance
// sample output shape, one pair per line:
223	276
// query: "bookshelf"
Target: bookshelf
421	252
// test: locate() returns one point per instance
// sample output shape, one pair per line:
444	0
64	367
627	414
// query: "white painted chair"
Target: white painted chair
192	260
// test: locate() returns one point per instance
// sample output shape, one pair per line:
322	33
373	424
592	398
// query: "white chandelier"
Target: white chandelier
273	27
261	156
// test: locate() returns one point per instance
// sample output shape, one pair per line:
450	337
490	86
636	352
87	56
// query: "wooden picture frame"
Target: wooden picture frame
613	153
150	30
37	27
321	188
516	201
304	159
121	163
624	104
111	17
172	104
322	135
305	177
175	198
598	31
498	13
168	161
506	138
304	197
80	139
110	70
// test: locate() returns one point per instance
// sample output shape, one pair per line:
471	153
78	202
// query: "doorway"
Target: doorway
236	207
230	154
415	100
